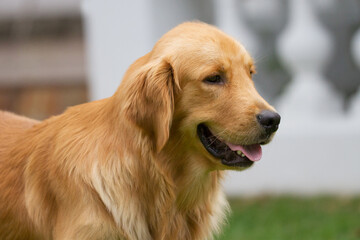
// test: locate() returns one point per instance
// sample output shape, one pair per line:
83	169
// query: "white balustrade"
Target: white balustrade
305	47
315	150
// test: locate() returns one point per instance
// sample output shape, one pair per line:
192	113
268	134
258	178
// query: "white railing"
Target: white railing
316	147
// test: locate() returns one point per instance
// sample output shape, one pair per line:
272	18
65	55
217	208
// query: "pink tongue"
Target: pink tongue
252	152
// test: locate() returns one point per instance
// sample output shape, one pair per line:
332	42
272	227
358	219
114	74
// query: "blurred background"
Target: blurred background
59	53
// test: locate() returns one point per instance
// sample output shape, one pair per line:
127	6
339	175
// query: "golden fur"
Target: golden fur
131	166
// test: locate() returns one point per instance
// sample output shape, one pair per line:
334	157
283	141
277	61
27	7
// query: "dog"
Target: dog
147	162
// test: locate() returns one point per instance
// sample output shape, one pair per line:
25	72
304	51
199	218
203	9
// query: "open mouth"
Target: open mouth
230	154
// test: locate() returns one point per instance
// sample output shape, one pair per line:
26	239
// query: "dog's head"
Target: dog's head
196	84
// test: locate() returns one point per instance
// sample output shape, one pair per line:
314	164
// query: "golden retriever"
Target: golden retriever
147	162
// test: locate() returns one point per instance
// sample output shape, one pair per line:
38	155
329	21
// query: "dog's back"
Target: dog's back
12	129
11	125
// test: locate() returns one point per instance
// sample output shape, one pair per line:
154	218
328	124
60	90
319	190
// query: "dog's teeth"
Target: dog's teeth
240	153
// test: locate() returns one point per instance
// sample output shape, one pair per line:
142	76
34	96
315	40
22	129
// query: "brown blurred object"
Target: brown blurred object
40	102
42	66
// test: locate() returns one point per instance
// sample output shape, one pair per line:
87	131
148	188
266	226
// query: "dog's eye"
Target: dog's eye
252	71
214	79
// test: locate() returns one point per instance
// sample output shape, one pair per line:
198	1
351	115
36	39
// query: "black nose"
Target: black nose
269	120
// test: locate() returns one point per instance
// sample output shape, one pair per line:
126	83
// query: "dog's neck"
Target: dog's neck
196	193
193	184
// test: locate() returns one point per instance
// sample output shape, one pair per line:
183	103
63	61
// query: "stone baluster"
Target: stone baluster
355	103
355	47
304	48
266	19
341	18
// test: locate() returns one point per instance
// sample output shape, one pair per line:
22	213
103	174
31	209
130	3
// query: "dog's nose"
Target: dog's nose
269	120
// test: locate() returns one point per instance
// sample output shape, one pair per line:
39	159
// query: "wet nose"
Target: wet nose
269	120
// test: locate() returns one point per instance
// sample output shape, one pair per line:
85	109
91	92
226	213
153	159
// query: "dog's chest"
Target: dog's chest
200	222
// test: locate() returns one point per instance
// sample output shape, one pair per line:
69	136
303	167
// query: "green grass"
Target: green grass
293	218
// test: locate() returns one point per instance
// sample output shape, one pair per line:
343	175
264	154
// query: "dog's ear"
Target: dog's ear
151	101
